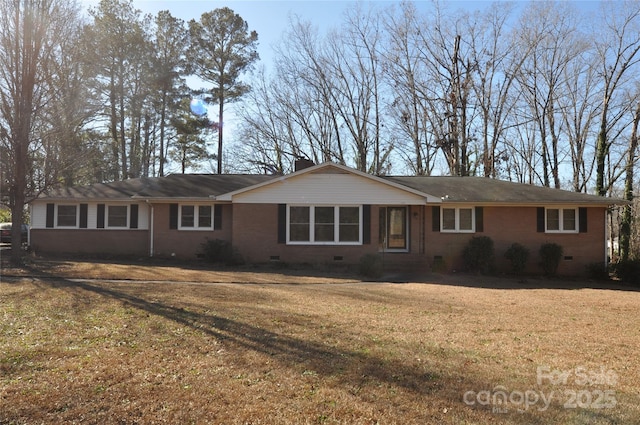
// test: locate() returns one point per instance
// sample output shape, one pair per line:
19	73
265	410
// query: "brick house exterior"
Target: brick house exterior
322	214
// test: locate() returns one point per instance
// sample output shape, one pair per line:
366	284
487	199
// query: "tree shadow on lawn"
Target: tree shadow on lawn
337	273
508	282
353	369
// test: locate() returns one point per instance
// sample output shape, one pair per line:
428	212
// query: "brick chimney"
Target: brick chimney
302	163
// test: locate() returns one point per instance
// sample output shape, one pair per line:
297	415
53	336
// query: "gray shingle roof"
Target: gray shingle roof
484	190
172	186
478	190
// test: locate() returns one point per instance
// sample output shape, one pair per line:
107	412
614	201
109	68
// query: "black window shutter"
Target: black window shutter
217	217
366	224
84	208
133	216
101	212
51	210
582	218
282	223
435	219
173	216
540	219
479	219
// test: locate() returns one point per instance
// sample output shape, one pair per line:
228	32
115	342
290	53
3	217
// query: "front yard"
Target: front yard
151	344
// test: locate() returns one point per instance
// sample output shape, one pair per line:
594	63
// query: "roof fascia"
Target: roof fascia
541	203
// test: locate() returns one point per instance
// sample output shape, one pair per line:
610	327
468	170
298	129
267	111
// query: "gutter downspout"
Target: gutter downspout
151	230
607	249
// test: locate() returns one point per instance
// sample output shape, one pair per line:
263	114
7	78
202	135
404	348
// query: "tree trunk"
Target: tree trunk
220	115
627	216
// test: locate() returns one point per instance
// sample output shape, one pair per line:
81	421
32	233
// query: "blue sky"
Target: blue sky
271	18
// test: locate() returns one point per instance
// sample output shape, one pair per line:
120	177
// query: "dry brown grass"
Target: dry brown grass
290	348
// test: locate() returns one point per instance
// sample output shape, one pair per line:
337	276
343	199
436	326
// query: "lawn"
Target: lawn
150	344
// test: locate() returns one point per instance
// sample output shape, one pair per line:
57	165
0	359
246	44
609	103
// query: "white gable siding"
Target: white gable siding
332	189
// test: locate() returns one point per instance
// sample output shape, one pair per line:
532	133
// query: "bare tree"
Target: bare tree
447	89
550	39
579	108
406	72
498	62
631	163
31	33
618	47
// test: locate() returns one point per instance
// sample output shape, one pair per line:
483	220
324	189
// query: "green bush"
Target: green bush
628	271
550	255
478	254
220	251
518	255
371	266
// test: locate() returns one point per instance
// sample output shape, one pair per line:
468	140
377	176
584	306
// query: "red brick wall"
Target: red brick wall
185	244
254	232
255	235
506	225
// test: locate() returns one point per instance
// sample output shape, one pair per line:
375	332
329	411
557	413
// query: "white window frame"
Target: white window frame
196	217
457	228
77	207
336	225
107	214
561	211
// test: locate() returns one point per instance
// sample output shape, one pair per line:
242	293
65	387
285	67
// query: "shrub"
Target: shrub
478	254
597	271
518	255
220	251
628	271
550	254
371	266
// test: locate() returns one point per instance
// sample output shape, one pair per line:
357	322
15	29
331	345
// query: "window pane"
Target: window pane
324	224
569	219
397	228
448	219
466	222
117	216
299	224
187	216
553	219
204	216
299	232
349	215
67	215
299	214
349	224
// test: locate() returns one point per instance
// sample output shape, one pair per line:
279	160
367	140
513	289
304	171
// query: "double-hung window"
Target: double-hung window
459	219
67	216
196	217
324	224
561	220
117	216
